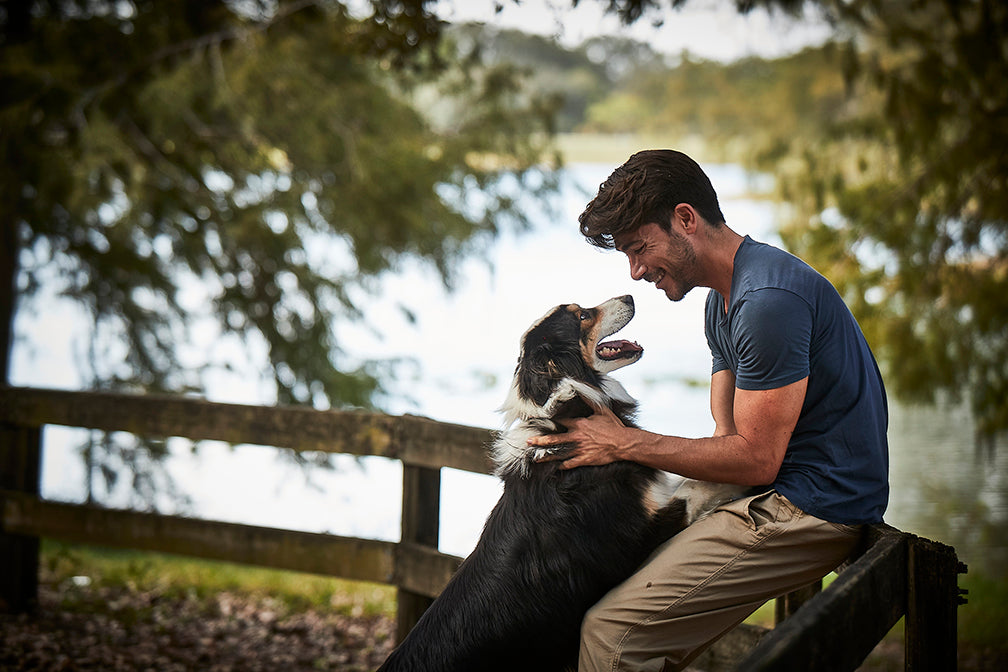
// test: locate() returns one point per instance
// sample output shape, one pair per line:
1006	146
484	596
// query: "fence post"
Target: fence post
421	510
19	554
932	604
787	605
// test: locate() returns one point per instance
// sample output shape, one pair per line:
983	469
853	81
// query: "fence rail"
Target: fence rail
414	440
411	566
897	574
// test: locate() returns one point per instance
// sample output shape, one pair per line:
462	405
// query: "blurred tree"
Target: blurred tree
549	69
744	104
147	144
272	152
575	78
902	195
655	10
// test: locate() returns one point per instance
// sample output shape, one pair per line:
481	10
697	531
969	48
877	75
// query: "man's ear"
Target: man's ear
685	218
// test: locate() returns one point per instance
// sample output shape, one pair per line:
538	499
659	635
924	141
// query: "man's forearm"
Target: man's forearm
722	459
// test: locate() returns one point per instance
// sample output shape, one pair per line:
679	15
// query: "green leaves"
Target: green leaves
888	147
927	190
278	157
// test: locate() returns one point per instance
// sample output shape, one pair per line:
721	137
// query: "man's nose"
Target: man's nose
637	269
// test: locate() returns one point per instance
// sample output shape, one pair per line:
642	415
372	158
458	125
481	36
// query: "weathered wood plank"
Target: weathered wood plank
19	553
412	439
932	604
786	605
428	443
346	557
840	626
422	570
421	515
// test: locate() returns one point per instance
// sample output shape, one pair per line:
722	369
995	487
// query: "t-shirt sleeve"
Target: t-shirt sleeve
720	362
773	334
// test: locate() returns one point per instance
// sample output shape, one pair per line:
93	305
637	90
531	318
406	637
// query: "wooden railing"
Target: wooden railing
413	565
897	574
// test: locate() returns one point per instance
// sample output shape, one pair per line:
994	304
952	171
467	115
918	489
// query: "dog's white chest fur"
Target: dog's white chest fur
524	419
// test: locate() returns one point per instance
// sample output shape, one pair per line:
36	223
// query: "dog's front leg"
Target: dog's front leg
567	389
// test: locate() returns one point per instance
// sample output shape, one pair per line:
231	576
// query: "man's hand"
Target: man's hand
595	440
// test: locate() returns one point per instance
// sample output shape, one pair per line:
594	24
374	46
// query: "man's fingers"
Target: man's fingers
571	463
547	440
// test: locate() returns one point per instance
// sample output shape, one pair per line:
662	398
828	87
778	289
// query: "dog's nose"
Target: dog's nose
627	299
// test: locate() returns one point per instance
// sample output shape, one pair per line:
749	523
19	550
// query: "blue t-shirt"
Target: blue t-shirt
785	322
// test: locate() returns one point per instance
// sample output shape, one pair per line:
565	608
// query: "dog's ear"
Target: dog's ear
546	365
552	369
538	373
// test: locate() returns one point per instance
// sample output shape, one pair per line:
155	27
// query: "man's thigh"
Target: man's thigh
708	578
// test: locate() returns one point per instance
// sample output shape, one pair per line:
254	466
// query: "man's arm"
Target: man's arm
722	401
749	455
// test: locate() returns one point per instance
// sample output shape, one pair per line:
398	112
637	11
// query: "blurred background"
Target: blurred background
365	204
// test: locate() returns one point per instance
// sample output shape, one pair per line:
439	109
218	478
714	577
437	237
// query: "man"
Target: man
798	404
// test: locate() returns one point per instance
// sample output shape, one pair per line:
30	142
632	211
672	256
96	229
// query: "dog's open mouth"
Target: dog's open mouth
620	349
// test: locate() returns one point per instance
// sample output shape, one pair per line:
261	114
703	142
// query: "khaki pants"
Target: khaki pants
707	579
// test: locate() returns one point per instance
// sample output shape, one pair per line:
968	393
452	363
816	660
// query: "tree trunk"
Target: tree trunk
8	289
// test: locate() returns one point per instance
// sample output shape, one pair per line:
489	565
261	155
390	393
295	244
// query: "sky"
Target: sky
707	29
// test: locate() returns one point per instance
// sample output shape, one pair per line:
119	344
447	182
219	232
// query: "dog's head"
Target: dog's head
564	361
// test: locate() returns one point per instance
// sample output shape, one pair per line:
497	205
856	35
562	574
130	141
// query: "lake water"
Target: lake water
455	364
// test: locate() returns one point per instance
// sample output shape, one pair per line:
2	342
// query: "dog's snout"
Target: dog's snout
627	299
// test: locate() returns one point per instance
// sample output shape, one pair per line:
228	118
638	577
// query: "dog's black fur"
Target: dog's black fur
557	540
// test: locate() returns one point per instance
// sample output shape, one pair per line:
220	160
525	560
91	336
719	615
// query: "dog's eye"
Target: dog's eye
585	315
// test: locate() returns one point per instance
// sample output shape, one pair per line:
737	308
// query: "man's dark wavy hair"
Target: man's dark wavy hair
646	189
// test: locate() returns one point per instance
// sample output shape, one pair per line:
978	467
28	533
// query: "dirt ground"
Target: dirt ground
121	630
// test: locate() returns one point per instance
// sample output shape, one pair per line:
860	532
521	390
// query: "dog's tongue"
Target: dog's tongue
617	349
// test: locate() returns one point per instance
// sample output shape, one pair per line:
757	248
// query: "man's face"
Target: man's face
665	258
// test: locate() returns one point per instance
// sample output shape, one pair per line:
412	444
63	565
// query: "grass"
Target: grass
983	620
175	576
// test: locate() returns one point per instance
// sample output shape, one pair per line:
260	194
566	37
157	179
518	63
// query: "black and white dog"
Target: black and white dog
557	540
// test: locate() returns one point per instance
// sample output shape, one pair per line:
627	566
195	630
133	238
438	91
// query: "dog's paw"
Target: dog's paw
565	391
542	454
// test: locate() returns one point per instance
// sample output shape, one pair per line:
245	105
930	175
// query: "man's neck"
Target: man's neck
723	244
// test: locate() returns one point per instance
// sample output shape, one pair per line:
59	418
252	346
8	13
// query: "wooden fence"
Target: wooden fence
896	574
